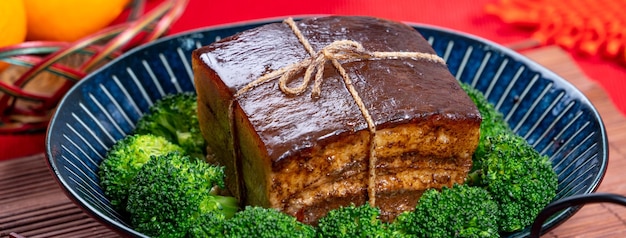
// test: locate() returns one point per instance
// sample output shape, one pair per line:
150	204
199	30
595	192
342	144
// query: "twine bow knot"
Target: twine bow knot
314	66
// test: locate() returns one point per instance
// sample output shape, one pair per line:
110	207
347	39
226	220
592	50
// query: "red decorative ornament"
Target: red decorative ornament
589	27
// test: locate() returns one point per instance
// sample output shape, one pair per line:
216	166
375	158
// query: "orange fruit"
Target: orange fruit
12	24
69	20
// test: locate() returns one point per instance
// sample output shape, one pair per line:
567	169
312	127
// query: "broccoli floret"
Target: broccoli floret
124	159
266	223
460	211
353	221
520	180
175	117
209	224
492	124
171	193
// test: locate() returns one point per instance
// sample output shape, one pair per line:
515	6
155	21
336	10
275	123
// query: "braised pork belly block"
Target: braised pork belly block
389	128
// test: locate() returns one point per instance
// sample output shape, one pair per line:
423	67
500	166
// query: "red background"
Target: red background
467	16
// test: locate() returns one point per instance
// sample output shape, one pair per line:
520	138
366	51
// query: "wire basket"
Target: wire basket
41	72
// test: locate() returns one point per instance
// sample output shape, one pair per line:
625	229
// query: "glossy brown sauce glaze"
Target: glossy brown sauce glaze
395	91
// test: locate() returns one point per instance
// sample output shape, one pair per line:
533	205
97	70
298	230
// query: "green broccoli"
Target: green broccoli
124	159
460	211
266	223
520	180
210	224
171	193
175	117
353	221
493	122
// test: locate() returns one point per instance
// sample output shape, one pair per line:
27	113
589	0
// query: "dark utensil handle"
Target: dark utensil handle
575	200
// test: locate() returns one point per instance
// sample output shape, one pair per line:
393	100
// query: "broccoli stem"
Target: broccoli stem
225	204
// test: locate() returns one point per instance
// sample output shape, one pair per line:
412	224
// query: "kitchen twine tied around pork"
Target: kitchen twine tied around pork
345	50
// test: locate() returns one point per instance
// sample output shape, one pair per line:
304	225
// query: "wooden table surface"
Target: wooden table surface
33	205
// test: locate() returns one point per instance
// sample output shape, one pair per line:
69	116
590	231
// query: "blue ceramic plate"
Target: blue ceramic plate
555	117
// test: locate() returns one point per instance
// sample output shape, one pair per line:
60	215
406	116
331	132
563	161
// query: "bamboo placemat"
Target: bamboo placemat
33	205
